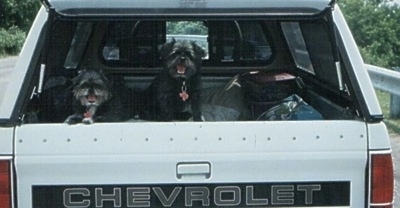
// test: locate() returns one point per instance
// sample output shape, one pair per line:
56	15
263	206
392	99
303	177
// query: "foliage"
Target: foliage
375	27
186	28
11	40
18	13
16	17
393	124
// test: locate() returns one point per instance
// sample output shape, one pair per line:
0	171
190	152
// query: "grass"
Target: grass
393	124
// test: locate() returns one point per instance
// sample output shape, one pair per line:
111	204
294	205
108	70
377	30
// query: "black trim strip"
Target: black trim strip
7	123
262	194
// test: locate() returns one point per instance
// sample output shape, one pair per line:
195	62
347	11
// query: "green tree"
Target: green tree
187	28
375	27
16	17
20	13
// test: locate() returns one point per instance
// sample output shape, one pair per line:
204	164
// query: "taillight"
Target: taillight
5	184
382	181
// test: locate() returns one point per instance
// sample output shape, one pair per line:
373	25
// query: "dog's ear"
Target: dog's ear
76	79
106	77
167	48
81	71
200	52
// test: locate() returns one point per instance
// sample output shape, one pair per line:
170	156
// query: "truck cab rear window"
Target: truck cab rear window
137	43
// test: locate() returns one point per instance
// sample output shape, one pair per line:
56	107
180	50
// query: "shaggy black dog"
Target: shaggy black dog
176	90
95	100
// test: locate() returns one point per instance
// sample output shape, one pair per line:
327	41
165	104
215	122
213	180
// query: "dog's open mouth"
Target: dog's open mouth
181	69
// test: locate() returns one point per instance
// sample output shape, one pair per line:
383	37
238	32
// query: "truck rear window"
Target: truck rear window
251	70
137	43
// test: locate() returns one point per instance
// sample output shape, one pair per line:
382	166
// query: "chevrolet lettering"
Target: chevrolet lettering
193	195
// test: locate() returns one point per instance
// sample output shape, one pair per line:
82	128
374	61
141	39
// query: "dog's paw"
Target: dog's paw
73	119
87	120
203	118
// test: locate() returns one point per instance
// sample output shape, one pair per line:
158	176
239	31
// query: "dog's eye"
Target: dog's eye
85	85
97	86
187	54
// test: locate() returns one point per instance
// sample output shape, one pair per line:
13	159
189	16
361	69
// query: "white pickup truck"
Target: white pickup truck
289	115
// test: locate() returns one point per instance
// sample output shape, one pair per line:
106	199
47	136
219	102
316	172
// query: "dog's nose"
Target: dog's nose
91	98
183	58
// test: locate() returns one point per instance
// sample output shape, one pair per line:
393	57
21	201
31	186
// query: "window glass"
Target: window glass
298	49
254	41
188	30
239	42
78	45
230	42
117	34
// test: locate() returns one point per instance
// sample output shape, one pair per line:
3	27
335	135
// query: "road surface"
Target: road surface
6	66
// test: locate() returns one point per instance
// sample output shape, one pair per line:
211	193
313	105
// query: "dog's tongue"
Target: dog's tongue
87	114
91	98
181	69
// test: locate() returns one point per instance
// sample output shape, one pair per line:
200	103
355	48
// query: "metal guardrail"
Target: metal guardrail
384	79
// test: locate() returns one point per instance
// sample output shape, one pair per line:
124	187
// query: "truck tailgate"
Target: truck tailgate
212	164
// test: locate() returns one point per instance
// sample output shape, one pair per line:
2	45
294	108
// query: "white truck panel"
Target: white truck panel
376	132
6	147
255	152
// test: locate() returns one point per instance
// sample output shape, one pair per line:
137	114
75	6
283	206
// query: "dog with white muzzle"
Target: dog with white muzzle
95	100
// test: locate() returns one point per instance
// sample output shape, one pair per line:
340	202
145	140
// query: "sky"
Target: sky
394	1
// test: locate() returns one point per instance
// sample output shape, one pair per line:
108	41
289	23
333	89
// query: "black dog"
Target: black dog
95	100
178	85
